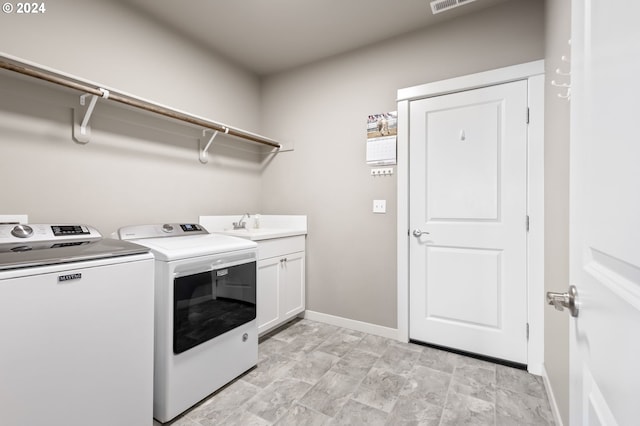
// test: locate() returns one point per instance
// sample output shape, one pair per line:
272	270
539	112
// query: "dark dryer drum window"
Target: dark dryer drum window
208	304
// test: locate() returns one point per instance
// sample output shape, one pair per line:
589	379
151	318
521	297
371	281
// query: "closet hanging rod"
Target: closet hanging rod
76	84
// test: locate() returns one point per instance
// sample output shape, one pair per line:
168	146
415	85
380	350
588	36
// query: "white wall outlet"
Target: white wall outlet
379	206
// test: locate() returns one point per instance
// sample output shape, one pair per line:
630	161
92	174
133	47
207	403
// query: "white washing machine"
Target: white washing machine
76	328
205	312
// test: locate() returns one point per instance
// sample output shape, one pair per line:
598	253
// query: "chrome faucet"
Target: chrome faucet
241	224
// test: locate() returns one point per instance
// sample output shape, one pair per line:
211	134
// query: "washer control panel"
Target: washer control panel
135	232
61	230
39	232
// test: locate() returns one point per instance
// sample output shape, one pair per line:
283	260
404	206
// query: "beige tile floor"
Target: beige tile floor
311	373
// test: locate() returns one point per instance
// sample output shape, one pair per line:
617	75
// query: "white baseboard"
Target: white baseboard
552	399
364	327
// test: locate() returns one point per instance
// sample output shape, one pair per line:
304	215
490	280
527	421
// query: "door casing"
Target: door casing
533	72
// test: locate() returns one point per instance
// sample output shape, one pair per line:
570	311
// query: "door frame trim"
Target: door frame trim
533	72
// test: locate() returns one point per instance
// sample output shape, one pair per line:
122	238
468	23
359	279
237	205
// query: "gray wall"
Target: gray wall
136	169
323	107
556	332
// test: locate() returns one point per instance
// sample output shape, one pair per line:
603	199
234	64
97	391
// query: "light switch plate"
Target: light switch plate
379	206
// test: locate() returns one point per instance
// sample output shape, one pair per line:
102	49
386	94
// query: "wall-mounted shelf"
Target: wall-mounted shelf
92	92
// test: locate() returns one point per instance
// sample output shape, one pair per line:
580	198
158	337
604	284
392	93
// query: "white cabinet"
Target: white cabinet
280	283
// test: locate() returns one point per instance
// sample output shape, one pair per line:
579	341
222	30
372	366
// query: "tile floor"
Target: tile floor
312	373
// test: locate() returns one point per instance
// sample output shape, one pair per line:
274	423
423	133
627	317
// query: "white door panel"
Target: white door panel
462	179
468	170
477	285
605	212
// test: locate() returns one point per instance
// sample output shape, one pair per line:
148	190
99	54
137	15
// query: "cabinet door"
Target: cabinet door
292	295
268	302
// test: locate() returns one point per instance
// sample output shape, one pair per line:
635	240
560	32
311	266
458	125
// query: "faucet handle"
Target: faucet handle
241	224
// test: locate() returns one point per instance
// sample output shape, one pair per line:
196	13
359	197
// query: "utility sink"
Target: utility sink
258	227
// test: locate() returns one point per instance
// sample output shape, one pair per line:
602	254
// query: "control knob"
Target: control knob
167	227
22	231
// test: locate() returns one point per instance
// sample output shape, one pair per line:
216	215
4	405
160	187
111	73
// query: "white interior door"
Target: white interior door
468	170
605	213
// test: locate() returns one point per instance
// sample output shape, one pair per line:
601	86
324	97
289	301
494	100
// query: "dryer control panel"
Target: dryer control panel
136	232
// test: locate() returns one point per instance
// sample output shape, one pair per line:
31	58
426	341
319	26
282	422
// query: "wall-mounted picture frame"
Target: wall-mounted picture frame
382	130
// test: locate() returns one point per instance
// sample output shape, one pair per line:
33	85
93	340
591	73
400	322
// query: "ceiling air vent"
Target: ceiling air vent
442	5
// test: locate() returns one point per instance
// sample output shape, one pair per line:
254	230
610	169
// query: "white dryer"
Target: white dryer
76	328
205	311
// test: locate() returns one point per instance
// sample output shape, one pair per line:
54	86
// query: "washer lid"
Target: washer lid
28	254
175	248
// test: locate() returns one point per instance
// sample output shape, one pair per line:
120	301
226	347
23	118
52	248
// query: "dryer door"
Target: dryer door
208	304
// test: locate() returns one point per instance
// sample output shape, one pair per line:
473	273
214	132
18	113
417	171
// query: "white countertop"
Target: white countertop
257	234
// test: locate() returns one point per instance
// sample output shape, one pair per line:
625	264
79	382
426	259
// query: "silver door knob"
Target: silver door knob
419	233
564	300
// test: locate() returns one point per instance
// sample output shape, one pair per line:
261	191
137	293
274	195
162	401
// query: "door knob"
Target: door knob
564	300
419	233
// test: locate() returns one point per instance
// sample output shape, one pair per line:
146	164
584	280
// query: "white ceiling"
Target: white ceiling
267	36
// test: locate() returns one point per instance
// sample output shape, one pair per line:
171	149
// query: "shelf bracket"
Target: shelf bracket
204	150
81	128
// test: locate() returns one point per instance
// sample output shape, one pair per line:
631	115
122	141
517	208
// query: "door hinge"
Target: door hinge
527	115
527	331
527	223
